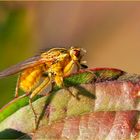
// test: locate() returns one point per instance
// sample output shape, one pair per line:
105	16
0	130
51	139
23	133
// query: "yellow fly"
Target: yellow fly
57	63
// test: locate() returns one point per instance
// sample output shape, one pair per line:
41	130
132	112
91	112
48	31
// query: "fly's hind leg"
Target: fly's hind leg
17	86
37	91
32	108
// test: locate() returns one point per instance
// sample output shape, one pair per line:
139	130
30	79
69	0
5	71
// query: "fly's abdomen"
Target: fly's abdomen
29	78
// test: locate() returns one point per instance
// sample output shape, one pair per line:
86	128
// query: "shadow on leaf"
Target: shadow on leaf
82	91
13	134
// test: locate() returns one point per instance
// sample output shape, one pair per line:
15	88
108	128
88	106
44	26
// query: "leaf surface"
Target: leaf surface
101	95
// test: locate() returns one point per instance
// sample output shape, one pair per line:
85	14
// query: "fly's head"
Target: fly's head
77	55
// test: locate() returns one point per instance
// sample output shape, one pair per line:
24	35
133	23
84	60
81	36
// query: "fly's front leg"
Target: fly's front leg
17	86
37	91
71	67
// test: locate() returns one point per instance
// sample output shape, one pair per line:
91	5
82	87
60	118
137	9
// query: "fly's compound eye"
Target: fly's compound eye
76	53
79	52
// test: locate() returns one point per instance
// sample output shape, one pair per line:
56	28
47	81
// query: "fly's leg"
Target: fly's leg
70	92
32	108
59	81
41	87
17	86
71	67
37	91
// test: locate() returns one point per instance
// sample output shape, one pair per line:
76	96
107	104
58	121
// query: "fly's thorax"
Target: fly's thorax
58	66
54	54
30	77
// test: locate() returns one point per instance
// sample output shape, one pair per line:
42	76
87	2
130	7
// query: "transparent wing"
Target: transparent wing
48	56
31	62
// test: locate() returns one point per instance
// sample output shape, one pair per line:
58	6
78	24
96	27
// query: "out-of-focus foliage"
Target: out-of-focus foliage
15	45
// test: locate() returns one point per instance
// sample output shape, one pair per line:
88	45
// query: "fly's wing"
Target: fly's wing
31	62
50	56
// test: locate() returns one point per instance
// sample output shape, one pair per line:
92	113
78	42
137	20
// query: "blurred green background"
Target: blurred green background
109	31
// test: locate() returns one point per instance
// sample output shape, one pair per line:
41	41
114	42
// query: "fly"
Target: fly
57	63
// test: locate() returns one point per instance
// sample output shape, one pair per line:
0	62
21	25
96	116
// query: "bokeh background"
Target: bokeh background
109	31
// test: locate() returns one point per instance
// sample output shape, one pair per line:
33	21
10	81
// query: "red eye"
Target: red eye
76	53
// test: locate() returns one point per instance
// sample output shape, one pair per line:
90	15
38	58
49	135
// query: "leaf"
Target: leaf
96	91
92	126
